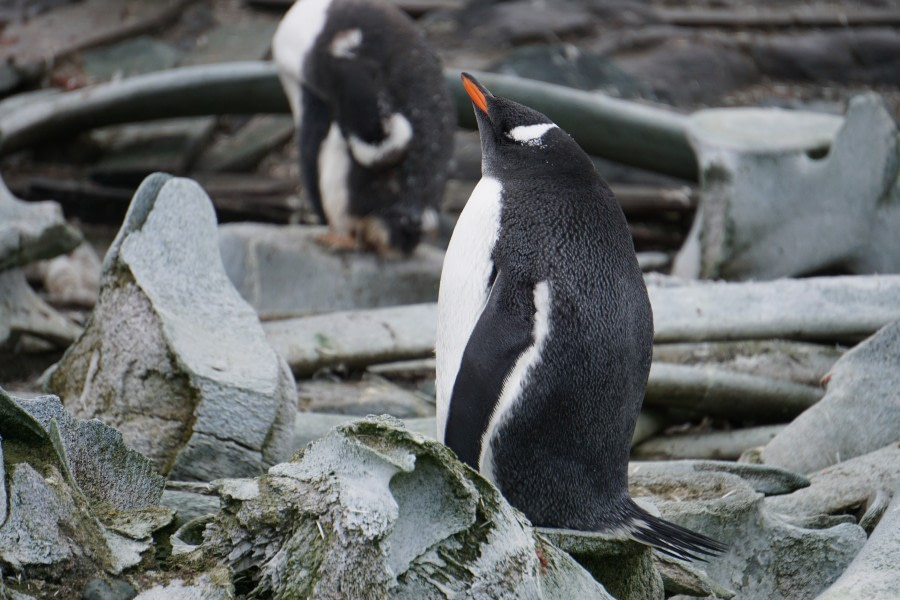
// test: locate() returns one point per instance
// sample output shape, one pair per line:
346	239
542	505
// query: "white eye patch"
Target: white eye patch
530	135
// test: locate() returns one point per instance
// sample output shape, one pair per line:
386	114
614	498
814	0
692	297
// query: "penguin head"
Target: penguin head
515	137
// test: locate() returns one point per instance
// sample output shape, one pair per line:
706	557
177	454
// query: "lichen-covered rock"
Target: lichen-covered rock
77	502
172	356
768	557
374	511
859	413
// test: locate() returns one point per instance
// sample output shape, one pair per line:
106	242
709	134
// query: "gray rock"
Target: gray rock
371	395
624	567
799	362
30	231
309	427
768	557
105	469
843	487
129	153
133	56
775	187
190	505
354	338
375	510
281	271
24	315
875	573
243	150
815	309
520	21
716	445
171	355
72	278
101	589
761	478
859	413
212	585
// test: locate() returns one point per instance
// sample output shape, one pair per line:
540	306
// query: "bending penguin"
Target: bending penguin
374	120
545	332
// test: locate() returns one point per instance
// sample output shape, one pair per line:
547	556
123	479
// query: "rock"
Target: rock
373	510
824	309
354	338
24	317
129	153
72	278
249	145
372	395
523	20
788	193
171	355
101	589
681	578
710	390
248	39
624	567
667	69
859	413
716	445
761	478
282	271
133	56
768	557
874	574
309	427
77	503
843	487
212	585
77	26
799	362
568	65
189	505
30	231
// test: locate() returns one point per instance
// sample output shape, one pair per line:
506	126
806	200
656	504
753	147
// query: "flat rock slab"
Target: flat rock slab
376	511
859	413
282	271
31	231
172	356
787	193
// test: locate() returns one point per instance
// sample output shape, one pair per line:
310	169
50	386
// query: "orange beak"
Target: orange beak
474	91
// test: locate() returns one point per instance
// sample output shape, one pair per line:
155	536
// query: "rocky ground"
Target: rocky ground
797	378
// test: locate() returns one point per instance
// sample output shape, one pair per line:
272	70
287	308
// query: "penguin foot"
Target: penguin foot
337	242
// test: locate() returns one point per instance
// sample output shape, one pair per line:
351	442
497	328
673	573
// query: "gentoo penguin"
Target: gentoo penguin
545	331
374	119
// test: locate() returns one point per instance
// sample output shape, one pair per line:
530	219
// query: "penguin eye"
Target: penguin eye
530	135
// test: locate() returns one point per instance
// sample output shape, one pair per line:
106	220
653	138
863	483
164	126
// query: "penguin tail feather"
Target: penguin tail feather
669	538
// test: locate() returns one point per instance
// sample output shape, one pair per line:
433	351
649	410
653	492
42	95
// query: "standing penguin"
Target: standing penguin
545	333
374	119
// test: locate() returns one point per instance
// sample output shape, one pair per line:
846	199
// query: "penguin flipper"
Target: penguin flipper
378	135
503	331
315	121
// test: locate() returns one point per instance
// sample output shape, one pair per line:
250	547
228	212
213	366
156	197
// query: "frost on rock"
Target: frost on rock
172	356
373	510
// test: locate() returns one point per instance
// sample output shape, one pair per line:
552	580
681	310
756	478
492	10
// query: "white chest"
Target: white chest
464	286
